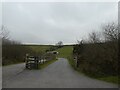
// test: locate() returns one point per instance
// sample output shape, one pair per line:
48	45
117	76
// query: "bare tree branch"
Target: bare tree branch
94	37
111	32
4	33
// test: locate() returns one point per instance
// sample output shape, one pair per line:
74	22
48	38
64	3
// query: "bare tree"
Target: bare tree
4	33
94	37
80	42
111	32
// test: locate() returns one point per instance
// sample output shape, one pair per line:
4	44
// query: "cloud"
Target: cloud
50	22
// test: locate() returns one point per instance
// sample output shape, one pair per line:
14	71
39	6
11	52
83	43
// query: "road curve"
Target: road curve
57	75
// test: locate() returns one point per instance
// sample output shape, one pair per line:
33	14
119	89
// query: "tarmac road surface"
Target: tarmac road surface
57	75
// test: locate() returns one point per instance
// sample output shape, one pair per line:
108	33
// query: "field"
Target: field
39	48
65	52
12	54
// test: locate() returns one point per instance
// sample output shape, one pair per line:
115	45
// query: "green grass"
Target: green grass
65	51
42	48
36	48
12	63
39	48
112	79
41	66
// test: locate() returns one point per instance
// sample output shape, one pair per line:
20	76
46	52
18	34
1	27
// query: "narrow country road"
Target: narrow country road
57	75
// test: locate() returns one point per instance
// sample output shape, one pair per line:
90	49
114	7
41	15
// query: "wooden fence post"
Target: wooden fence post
26	61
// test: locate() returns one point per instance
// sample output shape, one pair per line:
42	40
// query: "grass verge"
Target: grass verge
13	63
41	66
112	79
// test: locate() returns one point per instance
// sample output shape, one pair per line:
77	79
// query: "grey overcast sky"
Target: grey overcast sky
50	22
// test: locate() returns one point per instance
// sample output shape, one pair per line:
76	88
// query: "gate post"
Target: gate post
26	61
36	62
